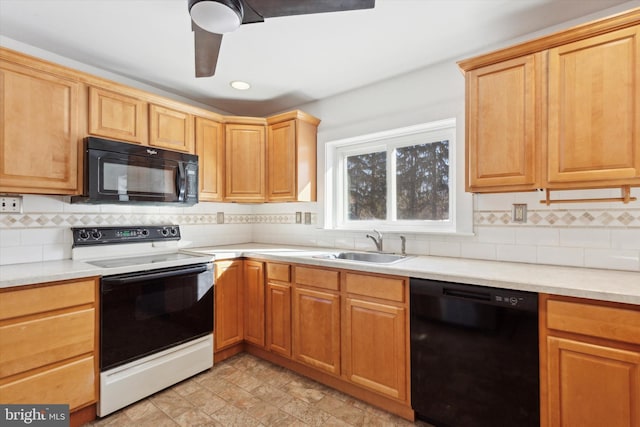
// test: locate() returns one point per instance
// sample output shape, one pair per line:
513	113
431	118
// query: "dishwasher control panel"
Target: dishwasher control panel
508	298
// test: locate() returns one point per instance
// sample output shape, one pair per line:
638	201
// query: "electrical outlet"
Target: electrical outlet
298	217
519	213
220	217
307	217
11	204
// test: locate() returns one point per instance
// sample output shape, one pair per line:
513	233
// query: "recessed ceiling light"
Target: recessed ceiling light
240	85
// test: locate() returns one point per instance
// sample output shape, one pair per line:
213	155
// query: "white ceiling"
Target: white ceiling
290	60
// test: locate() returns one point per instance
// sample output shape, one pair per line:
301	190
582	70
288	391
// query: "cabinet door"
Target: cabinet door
171	129
374	346
39	131
210	151
594	110
245	153
115	115
254	302
316	329
229	313
592	385
279	318
501	126
281	142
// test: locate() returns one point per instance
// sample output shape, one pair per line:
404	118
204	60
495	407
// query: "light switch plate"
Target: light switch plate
307	217
298	217
11	204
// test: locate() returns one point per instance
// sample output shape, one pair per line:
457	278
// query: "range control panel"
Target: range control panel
91	236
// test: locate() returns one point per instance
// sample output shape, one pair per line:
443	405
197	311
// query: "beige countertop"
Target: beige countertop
608	285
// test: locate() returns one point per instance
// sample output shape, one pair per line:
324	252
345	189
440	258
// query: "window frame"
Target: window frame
336	193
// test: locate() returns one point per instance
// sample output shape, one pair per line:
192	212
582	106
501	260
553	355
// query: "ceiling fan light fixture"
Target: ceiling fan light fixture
240	85
216	16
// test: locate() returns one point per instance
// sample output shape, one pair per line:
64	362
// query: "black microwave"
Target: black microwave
121	173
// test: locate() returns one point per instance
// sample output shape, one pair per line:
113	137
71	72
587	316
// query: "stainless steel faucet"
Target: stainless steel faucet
403	248
377	240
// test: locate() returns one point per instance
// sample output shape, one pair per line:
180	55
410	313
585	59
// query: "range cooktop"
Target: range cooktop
138	260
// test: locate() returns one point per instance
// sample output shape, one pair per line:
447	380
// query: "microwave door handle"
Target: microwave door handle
181	181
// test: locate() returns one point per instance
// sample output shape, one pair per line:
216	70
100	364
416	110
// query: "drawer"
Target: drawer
375	286
281	272
320	278
23	302
73	383
614	323
39	342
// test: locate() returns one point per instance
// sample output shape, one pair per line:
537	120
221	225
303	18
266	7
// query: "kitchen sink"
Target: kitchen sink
370	257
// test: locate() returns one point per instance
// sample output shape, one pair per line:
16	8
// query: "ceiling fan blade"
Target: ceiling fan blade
250	15
273	8
207	49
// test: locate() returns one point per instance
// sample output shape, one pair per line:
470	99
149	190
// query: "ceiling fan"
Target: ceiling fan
210	19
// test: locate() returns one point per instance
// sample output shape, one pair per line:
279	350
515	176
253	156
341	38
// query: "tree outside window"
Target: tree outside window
399	178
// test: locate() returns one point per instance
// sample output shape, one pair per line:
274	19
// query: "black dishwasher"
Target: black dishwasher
474	355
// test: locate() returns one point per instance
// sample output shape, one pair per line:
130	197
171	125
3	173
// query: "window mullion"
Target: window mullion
391	184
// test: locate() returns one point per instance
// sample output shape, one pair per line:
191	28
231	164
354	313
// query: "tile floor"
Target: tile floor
245	391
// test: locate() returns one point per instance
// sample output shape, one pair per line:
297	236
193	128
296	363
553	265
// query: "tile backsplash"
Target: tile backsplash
600	236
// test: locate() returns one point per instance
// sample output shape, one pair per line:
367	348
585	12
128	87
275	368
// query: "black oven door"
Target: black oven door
146	312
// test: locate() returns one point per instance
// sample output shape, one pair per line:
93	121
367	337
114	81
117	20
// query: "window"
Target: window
394	180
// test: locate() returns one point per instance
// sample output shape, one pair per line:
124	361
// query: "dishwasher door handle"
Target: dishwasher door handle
471	295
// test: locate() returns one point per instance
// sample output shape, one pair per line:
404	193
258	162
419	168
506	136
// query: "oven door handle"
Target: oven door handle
109	282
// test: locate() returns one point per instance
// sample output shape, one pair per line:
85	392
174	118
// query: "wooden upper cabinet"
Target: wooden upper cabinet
594	110
502	134
210	151
118	116
291	154
171	129
245	153
558	112
39	132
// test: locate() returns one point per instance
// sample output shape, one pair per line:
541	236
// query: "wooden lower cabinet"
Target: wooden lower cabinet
229	304
254	325
278	309
316	328
590	363
374	346
375	340
49	344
